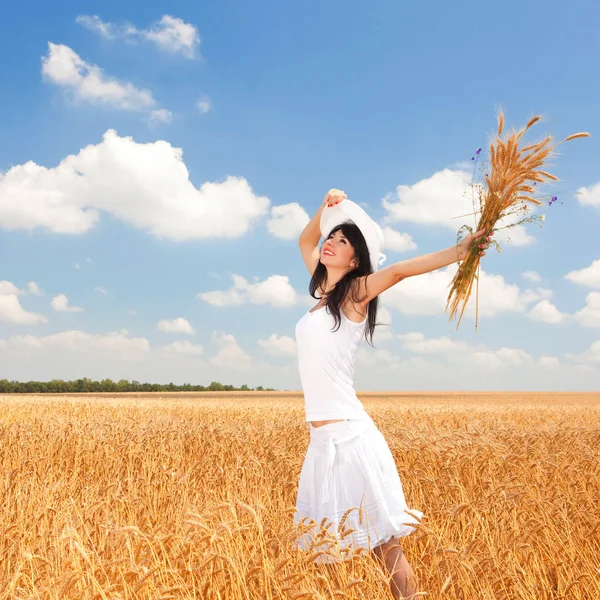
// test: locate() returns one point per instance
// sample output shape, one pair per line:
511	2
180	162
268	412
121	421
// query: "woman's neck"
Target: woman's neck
333	276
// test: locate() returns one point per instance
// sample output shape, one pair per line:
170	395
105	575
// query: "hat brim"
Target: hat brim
347	210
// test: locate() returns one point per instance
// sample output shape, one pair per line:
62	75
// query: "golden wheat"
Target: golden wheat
509	171
192	497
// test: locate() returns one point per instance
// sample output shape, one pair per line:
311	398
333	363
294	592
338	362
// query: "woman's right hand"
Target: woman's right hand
334	197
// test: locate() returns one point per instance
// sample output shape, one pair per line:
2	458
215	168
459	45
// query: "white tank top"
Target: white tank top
326	365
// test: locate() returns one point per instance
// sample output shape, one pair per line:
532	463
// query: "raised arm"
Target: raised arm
374	284
311	235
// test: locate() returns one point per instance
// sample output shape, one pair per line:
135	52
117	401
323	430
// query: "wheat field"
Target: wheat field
180	496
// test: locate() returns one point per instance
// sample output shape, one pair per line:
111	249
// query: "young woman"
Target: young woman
348	464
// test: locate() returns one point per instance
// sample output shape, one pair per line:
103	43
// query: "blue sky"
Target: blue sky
158	164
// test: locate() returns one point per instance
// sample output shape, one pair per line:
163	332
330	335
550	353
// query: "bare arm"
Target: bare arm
311	235
374	284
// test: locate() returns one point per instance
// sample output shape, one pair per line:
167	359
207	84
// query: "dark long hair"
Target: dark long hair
347	284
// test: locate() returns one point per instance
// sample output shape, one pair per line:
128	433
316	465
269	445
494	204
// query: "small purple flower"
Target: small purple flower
534	183
478	151
472	158
554	198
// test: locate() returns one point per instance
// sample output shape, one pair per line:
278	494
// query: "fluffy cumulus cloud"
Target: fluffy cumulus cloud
503	357
62	66
394	240
60	303
546	312
34	288
592	354
548	361
276	290
417	342
287	221
589	315
203	104
589	196
160	115
427	294
229	354
183	348
11	310
532	276
536	295
116	345
170	34
279	345
461	352
440	198
588	276
144	185
178	325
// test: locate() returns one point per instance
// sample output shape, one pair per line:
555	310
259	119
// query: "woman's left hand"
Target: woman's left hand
463	246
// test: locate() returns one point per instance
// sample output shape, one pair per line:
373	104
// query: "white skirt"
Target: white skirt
348	465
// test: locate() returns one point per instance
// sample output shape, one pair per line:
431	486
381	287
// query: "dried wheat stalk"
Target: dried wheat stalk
512	173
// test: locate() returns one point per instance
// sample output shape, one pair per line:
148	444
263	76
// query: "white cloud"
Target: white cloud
60	303
532	276
174	35
64	67
548	361
160	115
94	23
440	198
456	355
287	221
427	294
279	345
384	315
276	290
179	325
383	332
546	312
504	357
203	104
101	290
34	288
529	296
144	185
589	276
592	354
394	240
589	315
417	342
169	33
589	196
379	358
9	288
230	355
114	344
11	310
183	347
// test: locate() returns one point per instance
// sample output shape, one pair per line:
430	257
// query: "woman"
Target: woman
348	464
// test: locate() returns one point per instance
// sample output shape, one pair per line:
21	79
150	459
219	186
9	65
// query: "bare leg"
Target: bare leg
402	584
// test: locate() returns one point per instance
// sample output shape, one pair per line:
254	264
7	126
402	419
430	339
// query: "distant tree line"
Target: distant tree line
58	386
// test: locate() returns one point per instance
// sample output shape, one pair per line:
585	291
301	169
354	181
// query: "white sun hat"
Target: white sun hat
346	210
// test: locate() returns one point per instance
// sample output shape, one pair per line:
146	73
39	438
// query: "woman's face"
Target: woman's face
336	252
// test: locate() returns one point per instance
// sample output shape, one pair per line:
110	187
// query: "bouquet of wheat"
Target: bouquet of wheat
508	186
